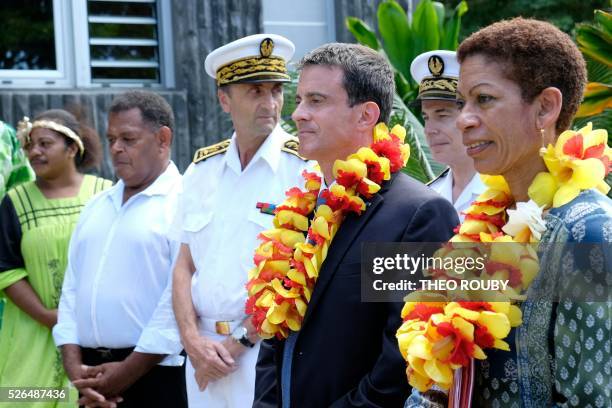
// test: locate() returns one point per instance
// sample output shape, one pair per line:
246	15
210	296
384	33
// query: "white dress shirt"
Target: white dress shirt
117	287
443	185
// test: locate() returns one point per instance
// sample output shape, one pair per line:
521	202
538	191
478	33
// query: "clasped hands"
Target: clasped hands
213	360
102	385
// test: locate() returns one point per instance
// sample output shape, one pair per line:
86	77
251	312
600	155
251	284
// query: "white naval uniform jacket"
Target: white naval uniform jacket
218	218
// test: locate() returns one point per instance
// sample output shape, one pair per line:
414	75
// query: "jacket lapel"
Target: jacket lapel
345	237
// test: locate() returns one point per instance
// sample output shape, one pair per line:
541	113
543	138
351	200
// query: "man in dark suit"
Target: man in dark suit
346	353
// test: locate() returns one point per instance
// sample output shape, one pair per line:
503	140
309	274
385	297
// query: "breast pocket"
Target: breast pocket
262	220
194	227
195	222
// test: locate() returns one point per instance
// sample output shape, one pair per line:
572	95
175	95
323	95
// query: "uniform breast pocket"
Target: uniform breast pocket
194	227
195	222
262	220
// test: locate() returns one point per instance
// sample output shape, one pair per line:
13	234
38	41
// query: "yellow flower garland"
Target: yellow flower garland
288	261
440	335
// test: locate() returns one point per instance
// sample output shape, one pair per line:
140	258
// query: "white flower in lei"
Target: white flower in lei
526	215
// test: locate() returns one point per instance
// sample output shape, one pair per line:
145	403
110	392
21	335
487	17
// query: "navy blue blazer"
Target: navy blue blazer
346	354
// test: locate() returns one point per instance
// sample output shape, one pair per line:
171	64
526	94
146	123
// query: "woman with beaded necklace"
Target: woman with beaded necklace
37	221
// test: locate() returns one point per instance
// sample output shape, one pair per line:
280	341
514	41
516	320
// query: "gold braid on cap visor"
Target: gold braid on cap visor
251	67
440	85
26	126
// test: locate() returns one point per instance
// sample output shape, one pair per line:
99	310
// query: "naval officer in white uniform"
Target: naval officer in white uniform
228	198
437	73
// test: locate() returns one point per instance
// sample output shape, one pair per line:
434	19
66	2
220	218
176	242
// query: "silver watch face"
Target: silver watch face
239	333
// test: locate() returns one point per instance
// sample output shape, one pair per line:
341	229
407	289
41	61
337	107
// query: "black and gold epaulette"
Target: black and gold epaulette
444	173
209	151
291	146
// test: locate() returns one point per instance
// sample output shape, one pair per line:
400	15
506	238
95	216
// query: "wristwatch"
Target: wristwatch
241	336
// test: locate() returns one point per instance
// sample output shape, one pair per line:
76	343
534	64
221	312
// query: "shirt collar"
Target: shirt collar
162	185
476	185
269	151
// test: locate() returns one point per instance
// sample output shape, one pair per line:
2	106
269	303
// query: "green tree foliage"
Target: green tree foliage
562	13
401	38
595	41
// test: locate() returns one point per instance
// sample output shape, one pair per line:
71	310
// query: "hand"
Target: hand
89	396
234	348
108	379
210	359
108	403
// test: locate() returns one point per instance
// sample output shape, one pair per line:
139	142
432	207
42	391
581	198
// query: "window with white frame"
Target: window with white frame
85	43
33	43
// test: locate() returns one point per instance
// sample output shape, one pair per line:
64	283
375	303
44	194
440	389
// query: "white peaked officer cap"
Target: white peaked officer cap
437	73
256	58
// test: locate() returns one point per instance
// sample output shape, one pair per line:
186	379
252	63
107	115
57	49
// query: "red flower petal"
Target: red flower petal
594	151
347	179
476	306
515	276
301	211
374	172
310	176
391	150
423	312
463	350
483	338
573	146
496	219
607	164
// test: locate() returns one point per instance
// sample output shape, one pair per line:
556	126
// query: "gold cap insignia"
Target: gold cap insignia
266	47
435	65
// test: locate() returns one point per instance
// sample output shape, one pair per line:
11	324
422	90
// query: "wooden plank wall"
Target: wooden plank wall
91	107
200	27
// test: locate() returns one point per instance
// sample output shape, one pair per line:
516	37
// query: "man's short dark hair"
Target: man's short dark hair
154	109
368	77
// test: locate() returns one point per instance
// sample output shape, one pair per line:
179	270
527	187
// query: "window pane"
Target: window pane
111	8
115	52
148	74
27	38
107	30
123	41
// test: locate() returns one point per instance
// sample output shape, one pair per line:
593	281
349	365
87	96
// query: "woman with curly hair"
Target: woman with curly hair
37	221
520	84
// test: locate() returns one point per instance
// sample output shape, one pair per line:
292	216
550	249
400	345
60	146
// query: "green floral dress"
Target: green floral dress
14	166
35	236
14	169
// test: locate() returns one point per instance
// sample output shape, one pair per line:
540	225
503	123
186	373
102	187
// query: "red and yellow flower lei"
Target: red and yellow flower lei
288	261
440	333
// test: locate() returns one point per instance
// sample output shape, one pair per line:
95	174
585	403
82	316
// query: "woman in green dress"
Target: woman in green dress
37	221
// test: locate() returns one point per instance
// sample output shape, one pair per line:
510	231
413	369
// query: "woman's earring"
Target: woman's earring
542	134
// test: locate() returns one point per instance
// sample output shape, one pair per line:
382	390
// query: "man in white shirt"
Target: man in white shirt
437	73
228	197
115	325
